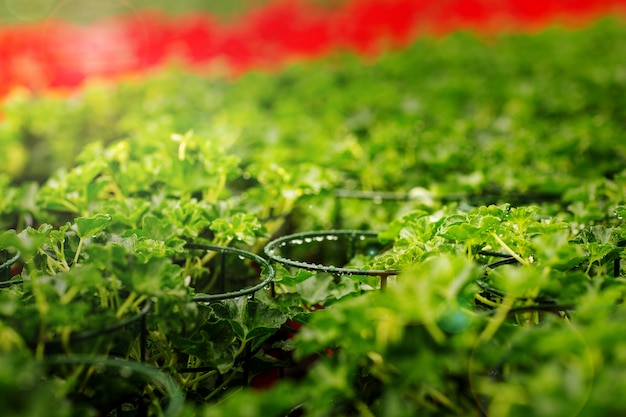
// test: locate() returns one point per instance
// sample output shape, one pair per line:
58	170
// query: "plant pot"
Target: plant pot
333	259
212	348
225	288
328	252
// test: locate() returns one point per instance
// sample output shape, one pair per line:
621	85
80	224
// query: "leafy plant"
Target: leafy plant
492	171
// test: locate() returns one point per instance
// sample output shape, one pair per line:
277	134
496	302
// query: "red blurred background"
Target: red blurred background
48	45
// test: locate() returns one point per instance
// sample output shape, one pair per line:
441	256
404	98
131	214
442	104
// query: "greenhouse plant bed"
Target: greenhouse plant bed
487	177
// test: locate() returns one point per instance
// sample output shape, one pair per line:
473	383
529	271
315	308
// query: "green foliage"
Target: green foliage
502	167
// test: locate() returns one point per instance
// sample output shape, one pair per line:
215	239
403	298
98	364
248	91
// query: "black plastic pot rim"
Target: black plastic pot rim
7	264
485	286
175	394
6	284
90	334
319	236
245	291
147	307
486	196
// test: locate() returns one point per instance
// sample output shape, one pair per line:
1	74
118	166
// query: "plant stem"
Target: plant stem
441	398
69	295
43	308
435	331
214	193
508	249
498	319
364	410
61	255
53	265
78	249
486	301
224	383
127	303
202	377
241	348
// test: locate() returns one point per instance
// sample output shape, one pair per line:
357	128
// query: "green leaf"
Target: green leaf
242	227
557	250
90	226
154	276
235	311
27	242
520	281
262	322
288	278
213	342
463	232
316	289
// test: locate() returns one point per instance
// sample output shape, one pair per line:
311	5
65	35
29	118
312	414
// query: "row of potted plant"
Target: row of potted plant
253	266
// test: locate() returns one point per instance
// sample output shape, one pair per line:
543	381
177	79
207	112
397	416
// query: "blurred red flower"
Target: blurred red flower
58	54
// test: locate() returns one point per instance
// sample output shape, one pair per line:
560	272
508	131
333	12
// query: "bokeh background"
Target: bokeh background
55	45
